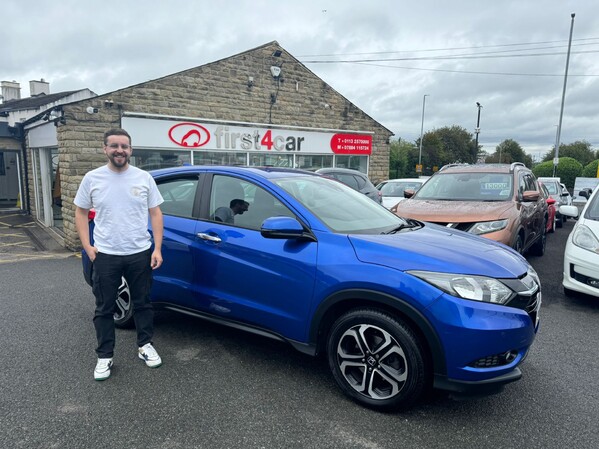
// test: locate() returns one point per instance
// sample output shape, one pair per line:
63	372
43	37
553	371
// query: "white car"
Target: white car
581	257
392	189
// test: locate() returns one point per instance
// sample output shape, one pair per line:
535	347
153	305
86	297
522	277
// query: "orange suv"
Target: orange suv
502	202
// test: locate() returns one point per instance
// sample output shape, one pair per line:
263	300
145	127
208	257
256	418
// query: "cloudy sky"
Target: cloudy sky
383	55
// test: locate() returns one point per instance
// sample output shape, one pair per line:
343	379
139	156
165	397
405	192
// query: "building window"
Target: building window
219	158
154	159
271	160
359	163
314	162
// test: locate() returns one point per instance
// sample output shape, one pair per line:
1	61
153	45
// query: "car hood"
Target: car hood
436	248
453	211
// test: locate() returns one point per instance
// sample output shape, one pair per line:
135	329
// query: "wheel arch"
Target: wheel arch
340	302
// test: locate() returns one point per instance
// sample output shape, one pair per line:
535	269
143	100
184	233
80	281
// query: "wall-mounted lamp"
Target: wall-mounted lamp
55	115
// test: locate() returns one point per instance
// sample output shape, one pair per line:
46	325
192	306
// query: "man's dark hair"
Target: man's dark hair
237	202
116	132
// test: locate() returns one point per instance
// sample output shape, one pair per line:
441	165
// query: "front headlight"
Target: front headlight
484	227
476	288
584	238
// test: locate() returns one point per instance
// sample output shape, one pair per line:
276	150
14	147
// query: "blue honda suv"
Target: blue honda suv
396	305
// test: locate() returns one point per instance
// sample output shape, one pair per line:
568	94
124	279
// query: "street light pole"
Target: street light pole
561	112
477	130
422	130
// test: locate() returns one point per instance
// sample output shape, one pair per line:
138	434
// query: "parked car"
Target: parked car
551	209
397	305
566	195
581	256
501	202
355	179
393	189
559	194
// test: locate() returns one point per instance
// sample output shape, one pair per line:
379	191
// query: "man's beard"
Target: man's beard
113	161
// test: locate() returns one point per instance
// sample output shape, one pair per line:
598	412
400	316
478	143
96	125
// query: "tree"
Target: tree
399	157
590	170
567	170
458	144
580	150
509	151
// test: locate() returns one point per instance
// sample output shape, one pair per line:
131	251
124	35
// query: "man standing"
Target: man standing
122	196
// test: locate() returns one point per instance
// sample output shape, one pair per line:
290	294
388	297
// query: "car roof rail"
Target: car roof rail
454	164
516	164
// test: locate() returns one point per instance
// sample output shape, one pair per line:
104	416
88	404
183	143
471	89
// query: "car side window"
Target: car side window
360	182
241	203
179	196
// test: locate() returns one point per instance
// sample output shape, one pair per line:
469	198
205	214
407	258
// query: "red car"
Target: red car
551	209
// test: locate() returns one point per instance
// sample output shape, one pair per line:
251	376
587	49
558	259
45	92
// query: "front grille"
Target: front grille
459	226
530	304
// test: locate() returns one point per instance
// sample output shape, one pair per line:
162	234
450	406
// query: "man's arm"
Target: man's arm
158	231
82	226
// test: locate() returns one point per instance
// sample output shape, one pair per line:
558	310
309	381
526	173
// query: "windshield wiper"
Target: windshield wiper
409	224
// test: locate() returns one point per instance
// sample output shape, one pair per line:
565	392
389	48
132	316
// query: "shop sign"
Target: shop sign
169	134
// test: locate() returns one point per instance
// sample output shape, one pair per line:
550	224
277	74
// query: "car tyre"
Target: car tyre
123	312
377	360
538	248
518	244
560	221
553	225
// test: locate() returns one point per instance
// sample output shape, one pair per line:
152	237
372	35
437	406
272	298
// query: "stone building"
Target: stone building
260	107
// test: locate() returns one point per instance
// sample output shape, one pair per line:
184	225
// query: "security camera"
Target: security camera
108	103
91	110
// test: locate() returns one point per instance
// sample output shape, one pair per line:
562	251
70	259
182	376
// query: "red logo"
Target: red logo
189	135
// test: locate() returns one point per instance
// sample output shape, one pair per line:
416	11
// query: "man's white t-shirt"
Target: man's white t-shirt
121	201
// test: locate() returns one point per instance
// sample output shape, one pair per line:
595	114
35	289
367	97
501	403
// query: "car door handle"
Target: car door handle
211	238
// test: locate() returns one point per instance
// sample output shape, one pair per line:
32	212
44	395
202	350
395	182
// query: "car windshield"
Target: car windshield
397	188
340	208
467	187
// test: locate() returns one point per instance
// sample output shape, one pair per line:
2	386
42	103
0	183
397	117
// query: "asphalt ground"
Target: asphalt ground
221	388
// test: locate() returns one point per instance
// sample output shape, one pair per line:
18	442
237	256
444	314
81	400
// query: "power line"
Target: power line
451	48
473	72
440	58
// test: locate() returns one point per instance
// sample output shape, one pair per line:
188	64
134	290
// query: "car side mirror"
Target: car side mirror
568	211
284	228
408	193
530	196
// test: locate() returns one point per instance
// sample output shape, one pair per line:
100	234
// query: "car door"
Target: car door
174	281
246	277
531	214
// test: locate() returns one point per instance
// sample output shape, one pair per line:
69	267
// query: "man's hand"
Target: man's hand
156	259
91	252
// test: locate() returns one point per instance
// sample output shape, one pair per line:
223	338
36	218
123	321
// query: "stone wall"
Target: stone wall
217	91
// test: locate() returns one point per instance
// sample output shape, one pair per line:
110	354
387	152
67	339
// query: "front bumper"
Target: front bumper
484	343
581	270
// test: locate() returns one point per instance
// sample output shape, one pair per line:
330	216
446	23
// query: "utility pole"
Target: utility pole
561	112
421	135
477	130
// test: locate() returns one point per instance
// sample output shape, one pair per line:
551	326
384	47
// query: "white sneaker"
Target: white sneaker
102	371
149	355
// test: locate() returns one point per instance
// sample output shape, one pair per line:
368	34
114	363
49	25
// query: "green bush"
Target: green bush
567	170
590	170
